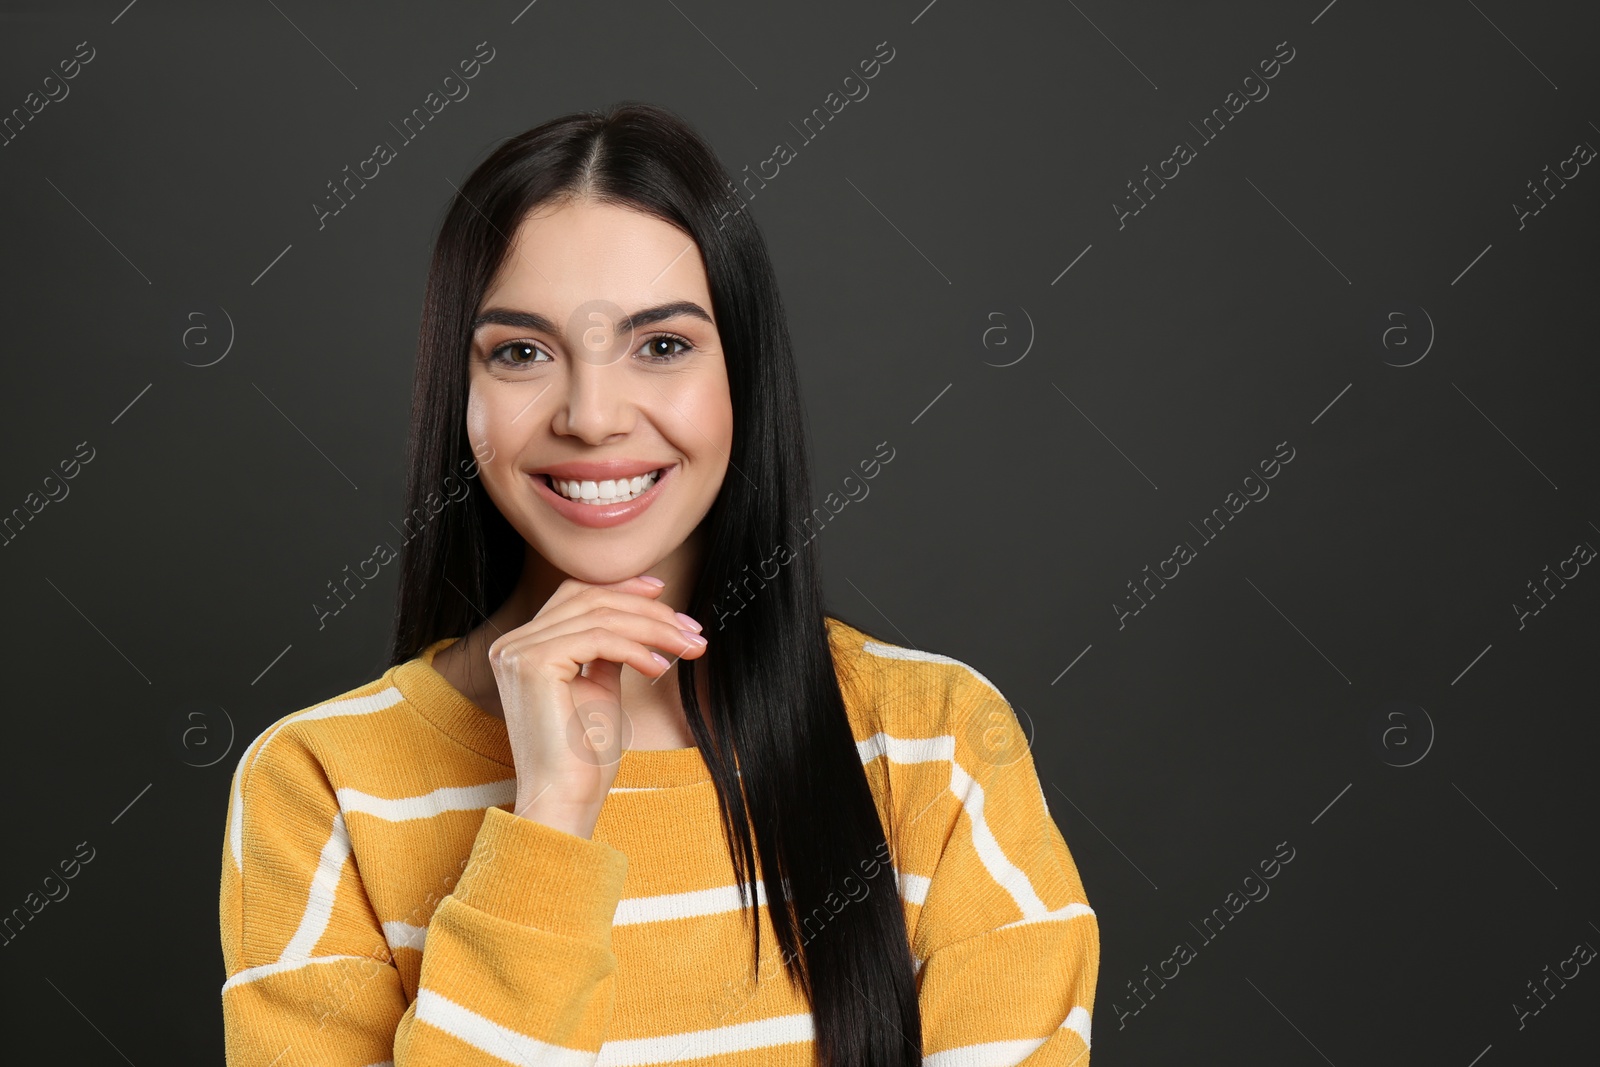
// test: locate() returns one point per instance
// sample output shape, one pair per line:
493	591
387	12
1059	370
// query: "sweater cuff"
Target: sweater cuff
535	875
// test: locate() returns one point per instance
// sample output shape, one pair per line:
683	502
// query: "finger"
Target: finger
562	655
597	597
576	587
665	634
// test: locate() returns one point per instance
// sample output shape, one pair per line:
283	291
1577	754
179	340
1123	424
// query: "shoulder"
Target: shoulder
327	724
303	744
909	693
282	774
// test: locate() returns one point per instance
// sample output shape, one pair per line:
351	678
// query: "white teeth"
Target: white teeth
607	492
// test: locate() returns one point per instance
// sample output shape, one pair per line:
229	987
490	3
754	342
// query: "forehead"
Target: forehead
584	250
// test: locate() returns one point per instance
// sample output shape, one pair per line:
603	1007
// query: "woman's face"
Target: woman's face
595	362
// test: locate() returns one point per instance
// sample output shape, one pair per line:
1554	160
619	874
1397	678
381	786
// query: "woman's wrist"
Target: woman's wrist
575	819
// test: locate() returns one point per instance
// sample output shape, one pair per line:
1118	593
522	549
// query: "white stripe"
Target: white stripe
404	935
319	900
348	706
741	1037
896	652
1070	911
914	887
988	1054
236	819
672	906
914	751
924	750
1077	1021
251	974
486	1035
364	705
907	749
447	798
1006	1053
1009	875
630	911
688	905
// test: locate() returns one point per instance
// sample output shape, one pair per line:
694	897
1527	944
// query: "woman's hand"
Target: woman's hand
566	723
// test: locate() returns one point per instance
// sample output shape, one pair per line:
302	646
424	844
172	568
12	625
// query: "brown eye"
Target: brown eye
516	353
659	348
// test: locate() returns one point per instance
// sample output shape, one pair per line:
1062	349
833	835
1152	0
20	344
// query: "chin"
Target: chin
599	567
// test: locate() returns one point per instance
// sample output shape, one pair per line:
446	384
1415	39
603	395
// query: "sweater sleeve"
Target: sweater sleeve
516	964
1010	947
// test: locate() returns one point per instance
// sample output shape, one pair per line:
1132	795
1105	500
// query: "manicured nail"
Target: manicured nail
659	658
686	621
694	639
652	579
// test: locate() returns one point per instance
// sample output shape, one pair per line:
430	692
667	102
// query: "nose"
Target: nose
595	406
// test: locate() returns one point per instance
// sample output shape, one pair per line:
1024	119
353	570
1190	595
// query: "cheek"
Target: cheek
478	424
490	429
709	409
490	433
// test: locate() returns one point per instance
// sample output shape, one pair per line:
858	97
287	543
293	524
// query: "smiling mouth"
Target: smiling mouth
600	493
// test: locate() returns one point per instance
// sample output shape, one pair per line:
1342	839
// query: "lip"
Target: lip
596	516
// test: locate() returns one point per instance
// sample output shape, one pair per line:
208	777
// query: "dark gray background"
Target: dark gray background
1245	306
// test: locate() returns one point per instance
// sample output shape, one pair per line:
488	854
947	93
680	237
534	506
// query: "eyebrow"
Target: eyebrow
532	320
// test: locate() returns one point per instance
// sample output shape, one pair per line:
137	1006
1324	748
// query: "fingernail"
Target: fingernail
659	658
686	621
694	639
652	579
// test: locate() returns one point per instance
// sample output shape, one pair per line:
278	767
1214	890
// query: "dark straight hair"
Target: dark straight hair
777	723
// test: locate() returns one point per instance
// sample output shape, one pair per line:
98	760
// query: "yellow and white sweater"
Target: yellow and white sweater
381	904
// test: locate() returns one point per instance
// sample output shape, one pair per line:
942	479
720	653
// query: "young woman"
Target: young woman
627	794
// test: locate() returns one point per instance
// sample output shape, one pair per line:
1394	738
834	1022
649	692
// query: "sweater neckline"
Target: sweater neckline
456	715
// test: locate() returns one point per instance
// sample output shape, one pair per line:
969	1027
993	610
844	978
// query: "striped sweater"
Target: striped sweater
380	903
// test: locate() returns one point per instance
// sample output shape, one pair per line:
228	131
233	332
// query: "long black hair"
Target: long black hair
777	725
